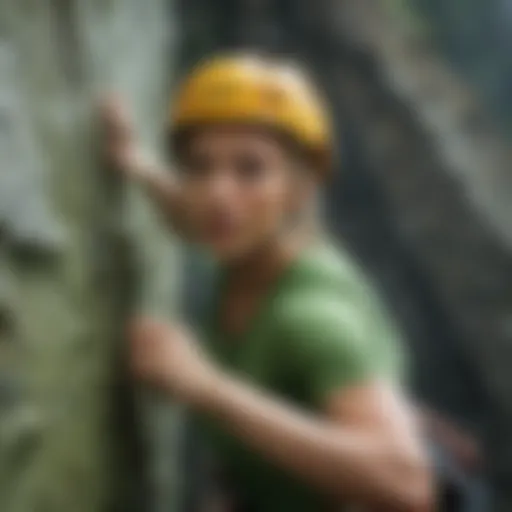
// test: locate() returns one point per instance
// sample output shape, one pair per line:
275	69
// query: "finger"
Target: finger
110	101
147	327
117	117
137	328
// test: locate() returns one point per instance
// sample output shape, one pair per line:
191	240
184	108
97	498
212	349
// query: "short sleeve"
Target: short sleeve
335	343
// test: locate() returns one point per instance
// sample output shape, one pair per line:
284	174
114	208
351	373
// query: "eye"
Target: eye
250	166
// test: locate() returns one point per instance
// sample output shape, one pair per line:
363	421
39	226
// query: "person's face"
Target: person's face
239	189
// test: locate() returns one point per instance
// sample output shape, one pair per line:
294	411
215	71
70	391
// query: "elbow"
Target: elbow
413	489
418	498
401	481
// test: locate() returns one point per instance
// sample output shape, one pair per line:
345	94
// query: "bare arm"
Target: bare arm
129	159
365	452
160	186
363	449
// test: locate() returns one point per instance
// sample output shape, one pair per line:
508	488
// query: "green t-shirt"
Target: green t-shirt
320	330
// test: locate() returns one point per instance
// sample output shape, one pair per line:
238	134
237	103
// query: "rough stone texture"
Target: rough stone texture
476	35
79	253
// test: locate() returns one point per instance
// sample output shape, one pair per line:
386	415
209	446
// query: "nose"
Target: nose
221	187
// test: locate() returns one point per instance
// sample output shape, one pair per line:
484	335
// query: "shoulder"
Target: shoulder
328	290
332	316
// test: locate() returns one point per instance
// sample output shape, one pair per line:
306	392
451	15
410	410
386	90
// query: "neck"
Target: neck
263	265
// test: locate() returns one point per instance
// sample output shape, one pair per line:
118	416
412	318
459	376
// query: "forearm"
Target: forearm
160	185
358	466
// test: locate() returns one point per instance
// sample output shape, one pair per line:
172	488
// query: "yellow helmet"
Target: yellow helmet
253	90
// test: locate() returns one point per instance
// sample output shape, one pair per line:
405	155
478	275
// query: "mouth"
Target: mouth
220	229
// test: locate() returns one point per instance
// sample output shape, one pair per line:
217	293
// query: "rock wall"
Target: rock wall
79	253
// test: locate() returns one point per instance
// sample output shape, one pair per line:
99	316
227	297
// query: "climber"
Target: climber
298	385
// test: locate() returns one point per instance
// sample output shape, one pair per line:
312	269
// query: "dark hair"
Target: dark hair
179	141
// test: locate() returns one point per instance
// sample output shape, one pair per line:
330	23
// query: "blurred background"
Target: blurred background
421	94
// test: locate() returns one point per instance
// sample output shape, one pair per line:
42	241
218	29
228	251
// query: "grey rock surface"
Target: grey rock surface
76	435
